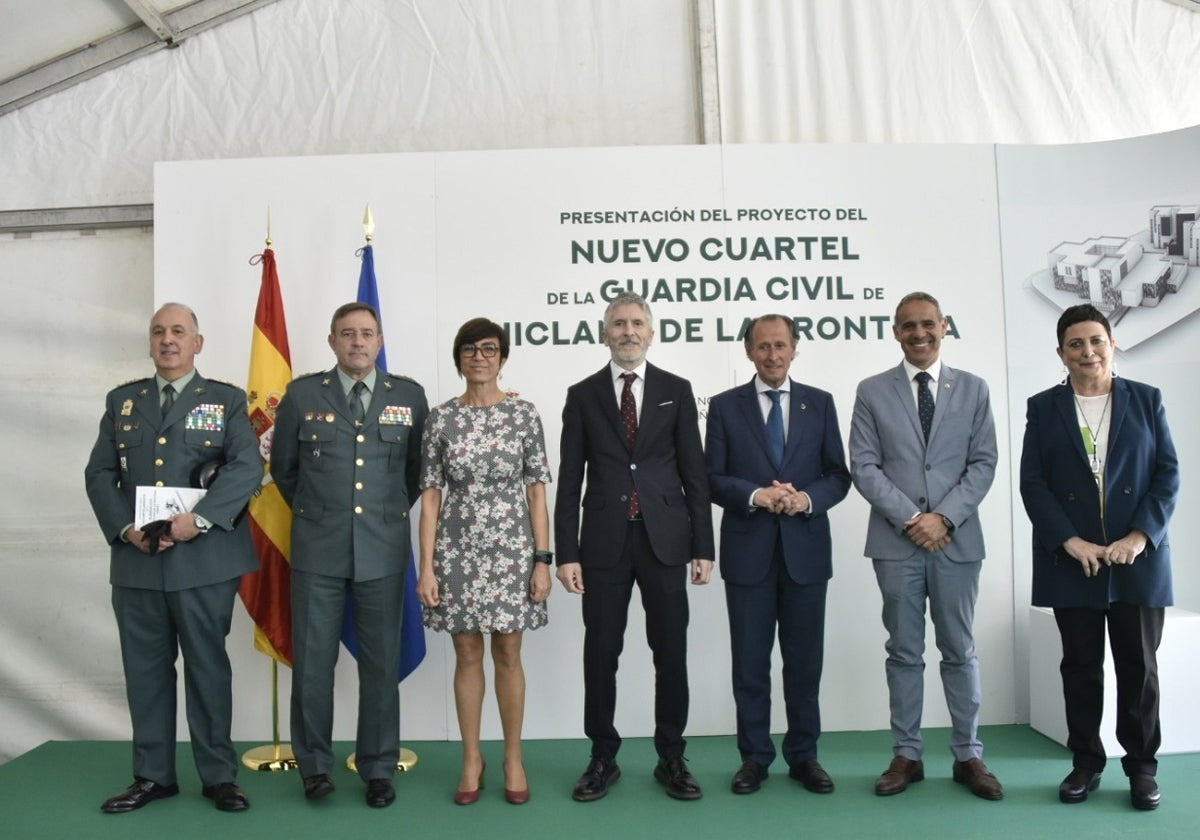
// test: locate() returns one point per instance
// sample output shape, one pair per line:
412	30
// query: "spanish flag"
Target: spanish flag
267	592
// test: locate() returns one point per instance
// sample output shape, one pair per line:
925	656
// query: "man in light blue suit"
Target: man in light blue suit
923	454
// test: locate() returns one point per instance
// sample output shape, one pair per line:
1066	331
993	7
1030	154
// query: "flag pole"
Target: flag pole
408	759
276	756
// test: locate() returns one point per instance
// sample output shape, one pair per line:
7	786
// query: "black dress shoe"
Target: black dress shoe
812	775
594	783
141	792
1078	784
678	780
749	777
380	793
1143	792
227	796
318	786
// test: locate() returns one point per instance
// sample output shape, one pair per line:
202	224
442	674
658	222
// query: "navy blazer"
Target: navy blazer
739	462
666	465
1059	492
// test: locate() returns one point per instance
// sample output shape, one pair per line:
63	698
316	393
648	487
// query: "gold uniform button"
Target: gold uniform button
358	508
360	438
158	484
314	437
158	462
162	440
358	485
120	446
358	461
208	443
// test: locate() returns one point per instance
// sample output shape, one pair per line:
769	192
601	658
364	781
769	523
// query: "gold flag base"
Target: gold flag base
270	758
408	760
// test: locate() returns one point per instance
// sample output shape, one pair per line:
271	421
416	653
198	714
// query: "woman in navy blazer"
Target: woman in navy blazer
1099	479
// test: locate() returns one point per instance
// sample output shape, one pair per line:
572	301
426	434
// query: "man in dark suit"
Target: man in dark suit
632	428
776	465
176	592
923	454
346	456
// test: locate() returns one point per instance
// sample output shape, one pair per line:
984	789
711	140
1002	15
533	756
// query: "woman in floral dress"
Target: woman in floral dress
485	543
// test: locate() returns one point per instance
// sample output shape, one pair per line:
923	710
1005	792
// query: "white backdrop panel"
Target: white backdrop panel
485	233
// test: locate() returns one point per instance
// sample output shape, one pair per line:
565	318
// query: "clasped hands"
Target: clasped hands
928	531
1120	553
179	528
782	498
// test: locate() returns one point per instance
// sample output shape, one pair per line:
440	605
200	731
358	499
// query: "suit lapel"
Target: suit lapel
947	393
147	404
331	388
605	396
753	418
651	416
1064	402
903	389
797	419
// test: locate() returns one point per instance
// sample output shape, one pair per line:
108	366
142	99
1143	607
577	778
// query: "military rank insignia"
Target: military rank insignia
127	408
207	416
396	415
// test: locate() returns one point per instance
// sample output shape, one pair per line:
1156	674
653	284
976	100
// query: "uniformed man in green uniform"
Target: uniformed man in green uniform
346	456
177	595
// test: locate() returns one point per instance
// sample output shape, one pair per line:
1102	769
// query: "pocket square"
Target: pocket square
668	402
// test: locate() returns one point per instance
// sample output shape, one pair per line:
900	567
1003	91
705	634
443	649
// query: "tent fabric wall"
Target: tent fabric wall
312	77
955	71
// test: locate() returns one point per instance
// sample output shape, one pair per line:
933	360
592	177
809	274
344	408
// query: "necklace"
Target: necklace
1093	442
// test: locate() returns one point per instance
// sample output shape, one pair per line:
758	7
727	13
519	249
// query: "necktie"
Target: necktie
924	402
775	428
168	398
629	415
357	410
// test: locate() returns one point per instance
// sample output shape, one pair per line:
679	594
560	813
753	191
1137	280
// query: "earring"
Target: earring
1065	376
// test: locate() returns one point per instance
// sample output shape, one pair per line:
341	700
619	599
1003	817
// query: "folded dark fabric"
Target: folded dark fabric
155	532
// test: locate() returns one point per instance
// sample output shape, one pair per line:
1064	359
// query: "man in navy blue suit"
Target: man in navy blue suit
776	465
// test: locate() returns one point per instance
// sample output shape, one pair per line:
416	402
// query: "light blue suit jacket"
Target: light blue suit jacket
899	475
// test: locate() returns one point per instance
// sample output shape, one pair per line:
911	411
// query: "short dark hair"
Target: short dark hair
476	330
910	297
748	338
355	306
1081	314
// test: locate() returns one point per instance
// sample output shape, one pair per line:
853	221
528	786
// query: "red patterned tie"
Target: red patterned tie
629	415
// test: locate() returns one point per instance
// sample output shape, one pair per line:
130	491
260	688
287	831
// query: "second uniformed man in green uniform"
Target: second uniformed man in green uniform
346	455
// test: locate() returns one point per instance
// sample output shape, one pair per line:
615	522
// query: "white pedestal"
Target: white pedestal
1179	683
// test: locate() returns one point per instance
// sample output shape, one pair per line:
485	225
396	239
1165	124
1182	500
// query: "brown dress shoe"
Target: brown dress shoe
901	773
974	774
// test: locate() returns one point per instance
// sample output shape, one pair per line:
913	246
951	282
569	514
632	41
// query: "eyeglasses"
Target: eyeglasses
488	351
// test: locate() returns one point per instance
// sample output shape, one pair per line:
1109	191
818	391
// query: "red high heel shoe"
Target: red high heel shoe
470	797
515	797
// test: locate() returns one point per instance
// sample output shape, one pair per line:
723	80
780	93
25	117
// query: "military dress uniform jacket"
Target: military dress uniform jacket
137	445
350	488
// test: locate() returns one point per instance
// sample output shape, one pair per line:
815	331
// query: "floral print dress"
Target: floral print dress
482	459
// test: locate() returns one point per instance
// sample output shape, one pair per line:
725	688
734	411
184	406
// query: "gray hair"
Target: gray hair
624	298
185	308
910	297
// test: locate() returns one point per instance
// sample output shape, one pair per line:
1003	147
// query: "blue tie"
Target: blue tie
775	428
924	402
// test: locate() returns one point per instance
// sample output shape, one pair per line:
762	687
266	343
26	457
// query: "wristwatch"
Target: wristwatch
949	525
546	557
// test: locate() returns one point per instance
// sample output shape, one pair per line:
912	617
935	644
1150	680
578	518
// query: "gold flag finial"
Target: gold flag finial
268	226
368	223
